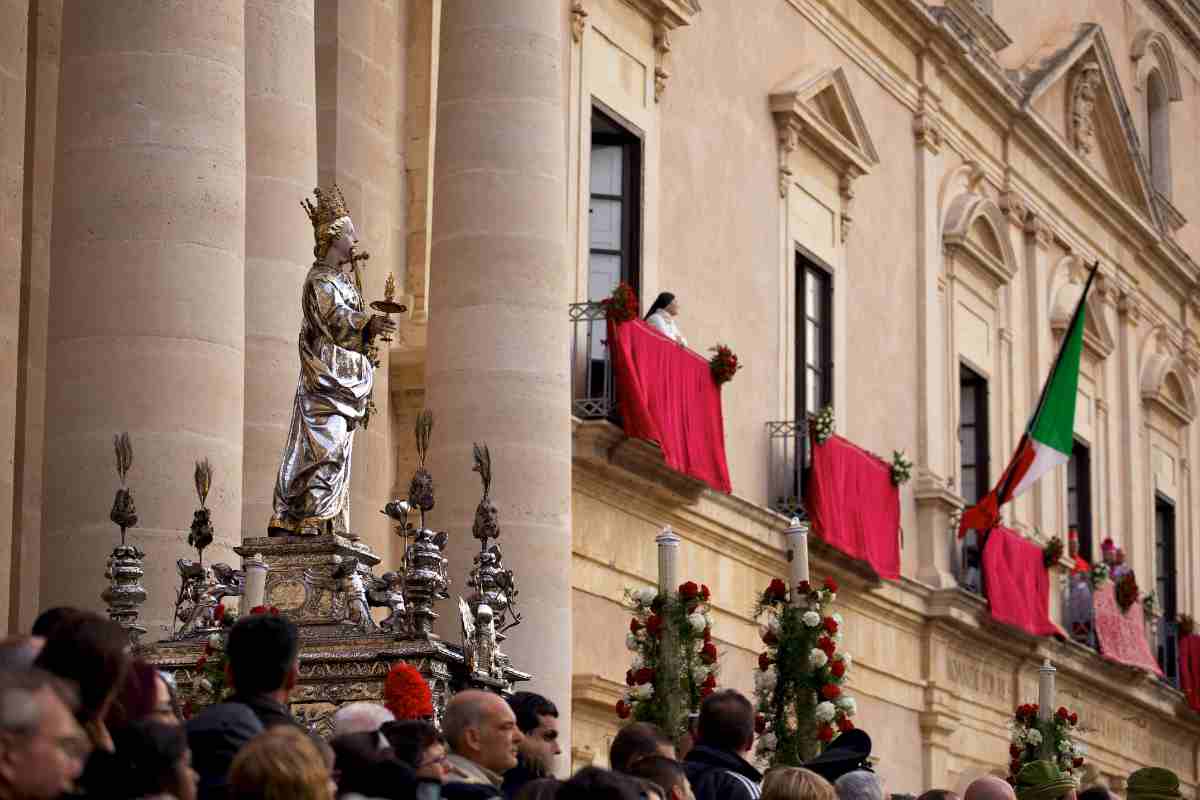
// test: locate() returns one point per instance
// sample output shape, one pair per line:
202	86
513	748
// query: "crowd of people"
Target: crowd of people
81	716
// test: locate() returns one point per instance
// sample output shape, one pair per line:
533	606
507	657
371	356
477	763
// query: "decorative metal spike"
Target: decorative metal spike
203	478
424	431
124	450
483	465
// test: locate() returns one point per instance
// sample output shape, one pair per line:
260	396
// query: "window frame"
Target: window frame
632	143
968	375
807	264
1166	586
1083	496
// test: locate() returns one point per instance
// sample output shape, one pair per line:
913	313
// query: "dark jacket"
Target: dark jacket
215	736
269	711
720	775
516	778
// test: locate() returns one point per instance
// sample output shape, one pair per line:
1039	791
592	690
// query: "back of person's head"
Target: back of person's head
151	759
946	794
137	697
262	651
665	773
49	619
638	740
528	707
366	768
593	783
726	722
94	653
859	785
410	738
280	764
540	789
19	652
989	787
1092	793
796	783
360	718
20	708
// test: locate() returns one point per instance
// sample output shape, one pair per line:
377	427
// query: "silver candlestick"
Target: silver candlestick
124	572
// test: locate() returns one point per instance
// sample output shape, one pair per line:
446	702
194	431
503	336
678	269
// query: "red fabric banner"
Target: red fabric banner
1017	583
668	396
854	505
1122	635
1189	669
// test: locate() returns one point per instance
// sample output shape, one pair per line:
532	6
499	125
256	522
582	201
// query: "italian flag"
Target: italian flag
1050	435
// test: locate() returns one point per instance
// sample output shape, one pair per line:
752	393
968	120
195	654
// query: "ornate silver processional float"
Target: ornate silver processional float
311	566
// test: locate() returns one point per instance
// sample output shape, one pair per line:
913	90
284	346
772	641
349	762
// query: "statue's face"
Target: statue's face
343	246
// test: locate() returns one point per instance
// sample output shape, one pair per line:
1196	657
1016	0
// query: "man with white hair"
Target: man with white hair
42	747
360	718
859	785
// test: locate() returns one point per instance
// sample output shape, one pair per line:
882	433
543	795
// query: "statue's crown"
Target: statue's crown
330	206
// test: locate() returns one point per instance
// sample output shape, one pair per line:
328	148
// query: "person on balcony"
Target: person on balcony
661	317
1079	598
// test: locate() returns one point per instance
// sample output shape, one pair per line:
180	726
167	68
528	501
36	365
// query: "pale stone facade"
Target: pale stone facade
952	168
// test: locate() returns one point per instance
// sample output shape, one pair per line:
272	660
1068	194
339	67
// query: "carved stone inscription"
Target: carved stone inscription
976	677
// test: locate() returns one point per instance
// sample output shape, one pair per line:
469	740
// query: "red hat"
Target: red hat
1107	544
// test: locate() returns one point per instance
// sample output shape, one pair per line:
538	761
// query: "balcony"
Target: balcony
789	461
593	393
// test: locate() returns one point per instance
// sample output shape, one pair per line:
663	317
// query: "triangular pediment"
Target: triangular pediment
821	103
1072	84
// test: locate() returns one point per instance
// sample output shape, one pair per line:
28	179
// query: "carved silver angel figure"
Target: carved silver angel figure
350	582
388	592
201	590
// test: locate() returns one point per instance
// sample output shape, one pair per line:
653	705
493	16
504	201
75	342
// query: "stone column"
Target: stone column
934	500
146	305
360	54
498	330
281	168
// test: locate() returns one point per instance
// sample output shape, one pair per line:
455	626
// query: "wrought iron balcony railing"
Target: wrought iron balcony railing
593	394
789	461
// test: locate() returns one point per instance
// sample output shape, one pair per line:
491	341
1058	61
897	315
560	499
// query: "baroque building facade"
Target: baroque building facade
889	206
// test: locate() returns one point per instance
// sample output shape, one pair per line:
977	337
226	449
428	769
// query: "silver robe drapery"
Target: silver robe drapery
331	400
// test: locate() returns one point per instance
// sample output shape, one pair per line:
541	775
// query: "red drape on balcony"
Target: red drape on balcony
1017	583
1189	669
854	505
1122	635
667	395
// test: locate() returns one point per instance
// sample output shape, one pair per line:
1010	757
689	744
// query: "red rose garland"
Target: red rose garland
622	304
686	614
802	704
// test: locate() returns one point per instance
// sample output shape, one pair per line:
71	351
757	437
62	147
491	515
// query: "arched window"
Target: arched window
1158	131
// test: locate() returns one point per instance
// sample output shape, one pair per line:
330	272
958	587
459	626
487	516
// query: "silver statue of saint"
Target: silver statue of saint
333	395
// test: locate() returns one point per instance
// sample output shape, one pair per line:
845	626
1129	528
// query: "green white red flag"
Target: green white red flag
1050	435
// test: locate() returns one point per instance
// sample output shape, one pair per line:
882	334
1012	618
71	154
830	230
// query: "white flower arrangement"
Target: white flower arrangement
1099	574
764	681
637	662
1033	737
642	691
823	424
811	619
214	639
773	624
1064	746
698	622
901	468
825	711
848	705
817	659
842	655
644	596
631	642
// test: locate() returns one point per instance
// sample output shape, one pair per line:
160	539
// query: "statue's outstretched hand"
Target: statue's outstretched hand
380	324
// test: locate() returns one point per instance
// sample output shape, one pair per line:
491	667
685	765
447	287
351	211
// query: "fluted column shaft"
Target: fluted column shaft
281	168
498	330
147	323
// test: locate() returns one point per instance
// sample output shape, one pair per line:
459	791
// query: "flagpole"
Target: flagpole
1008	476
